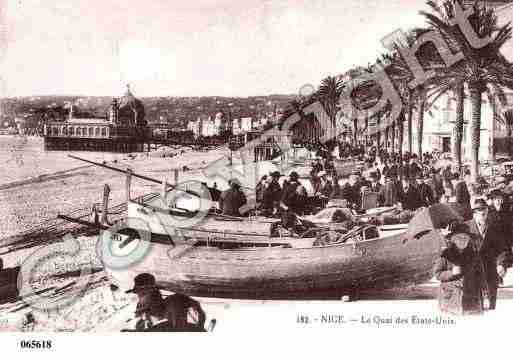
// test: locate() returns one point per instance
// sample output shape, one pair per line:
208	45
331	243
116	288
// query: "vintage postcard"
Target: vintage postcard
257	167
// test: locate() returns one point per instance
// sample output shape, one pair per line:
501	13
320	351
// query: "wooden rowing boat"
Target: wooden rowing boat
199	254
203	261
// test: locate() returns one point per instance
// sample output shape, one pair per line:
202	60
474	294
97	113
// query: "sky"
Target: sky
189	48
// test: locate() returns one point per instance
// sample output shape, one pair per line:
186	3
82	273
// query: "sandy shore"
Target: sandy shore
30	200
99	309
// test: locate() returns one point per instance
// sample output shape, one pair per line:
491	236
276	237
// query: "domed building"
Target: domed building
130	110
123	130
220	122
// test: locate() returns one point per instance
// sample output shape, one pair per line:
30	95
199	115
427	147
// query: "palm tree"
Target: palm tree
481	68
329	95
413	98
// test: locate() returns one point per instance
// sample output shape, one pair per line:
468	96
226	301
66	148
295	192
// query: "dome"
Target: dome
131	109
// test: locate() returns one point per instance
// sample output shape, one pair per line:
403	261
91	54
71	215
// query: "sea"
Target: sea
24	158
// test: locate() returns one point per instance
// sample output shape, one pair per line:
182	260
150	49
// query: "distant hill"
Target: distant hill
176	111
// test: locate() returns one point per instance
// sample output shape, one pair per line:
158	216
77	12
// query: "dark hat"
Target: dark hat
234	182
479	205
143	281
294	175
496	193
275	174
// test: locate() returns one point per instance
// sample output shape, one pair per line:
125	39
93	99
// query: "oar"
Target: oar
118	170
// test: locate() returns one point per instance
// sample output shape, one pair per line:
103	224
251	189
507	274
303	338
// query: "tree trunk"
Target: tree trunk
495	118
378	133
386	139
510	131
458	126
400	140
409	119
355	131
475	128
392	128
420	126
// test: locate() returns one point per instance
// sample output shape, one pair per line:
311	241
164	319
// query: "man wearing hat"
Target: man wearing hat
293	201
425	191
504	215
232	199
375	186
409	196
293	198
272	194
351	191
325	188
175	313
490	245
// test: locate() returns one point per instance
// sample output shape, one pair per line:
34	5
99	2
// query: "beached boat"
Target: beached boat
245	263
196	252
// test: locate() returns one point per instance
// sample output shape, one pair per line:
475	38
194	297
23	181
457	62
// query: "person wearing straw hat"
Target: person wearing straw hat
177	312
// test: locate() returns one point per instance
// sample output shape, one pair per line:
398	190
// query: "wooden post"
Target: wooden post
128	183
105	204
176	176
163	192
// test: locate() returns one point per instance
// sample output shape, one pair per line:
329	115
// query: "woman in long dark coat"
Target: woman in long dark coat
460	276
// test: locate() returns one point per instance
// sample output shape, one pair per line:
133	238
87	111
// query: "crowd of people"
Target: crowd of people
407	183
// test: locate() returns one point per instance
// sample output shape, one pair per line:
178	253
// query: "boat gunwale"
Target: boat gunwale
283	247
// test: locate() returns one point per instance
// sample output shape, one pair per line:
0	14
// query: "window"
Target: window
91	132
55	131
65	131
72	131
104	132
78	131
97	131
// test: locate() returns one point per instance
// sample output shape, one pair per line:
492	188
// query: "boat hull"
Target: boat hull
289	273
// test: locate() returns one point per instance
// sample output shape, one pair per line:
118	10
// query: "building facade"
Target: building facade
123	130
439	120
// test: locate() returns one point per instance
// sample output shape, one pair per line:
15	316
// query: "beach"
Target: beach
37	185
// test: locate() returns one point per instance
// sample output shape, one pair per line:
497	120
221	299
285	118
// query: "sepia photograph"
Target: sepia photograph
259	166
